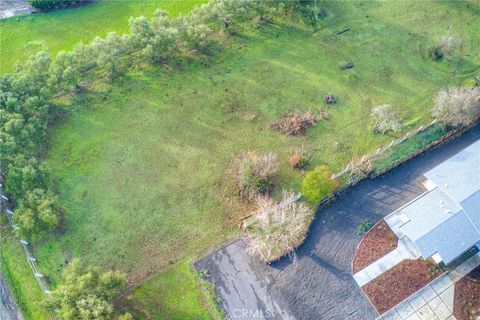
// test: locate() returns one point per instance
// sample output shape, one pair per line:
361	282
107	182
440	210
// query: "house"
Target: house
444	222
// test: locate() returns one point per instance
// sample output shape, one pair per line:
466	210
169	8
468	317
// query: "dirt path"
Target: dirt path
318	284
8	307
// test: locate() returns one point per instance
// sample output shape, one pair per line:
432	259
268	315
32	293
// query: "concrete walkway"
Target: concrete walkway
405	250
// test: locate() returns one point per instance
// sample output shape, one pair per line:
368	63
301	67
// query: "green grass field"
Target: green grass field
140	163
23	36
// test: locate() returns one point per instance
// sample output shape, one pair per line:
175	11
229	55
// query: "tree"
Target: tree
24	175
32	76
53	4
196	36
109	52
141	32
458	106
318	184
37	214
64	72
86	293
386	119
84	56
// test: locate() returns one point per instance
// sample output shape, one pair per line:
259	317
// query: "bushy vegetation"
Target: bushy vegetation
277	227
254	174
386	119
407	147
318	184
297	123
457	106
446	46
364	227
86	293
54	4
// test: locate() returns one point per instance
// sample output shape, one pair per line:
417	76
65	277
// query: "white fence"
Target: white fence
32	262
367	159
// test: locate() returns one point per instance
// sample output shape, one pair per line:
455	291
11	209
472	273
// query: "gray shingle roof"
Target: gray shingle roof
446	220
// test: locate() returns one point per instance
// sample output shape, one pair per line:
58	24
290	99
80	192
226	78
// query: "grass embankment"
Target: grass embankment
23	36
140	162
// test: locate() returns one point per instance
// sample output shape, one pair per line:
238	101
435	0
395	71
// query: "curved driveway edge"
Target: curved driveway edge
318	283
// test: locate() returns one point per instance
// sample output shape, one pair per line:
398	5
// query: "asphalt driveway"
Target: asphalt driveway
317	283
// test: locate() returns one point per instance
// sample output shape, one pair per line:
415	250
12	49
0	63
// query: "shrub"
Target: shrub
364	227
386	119
297	123
54	4
253	174
445	47
318	184
298	160
85	293
37	214
457	106
277	227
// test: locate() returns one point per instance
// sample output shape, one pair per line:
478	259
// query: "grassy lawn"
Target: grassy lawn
140	163
23	36
175	293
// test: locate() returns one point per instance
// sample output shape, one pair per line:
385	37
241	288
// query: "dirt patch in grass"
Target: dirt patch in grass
467	296
379	241
400	282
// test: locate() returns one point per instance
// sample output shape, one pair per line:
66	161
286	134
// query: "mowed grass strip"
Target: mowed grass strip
58	30
140	165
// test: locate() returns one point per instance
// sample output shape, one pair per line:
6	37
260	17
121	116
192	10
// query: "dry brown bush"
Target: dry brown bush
253	174
297	123
277	227
457	106
298	160
446	46
386	119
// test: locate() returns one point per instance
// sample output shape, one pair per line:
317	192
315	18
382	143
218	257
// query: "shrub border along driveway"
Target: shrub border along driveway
317	283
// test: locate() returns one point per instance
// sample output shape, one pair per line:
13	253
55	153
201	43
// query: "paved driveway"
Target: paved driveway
318	284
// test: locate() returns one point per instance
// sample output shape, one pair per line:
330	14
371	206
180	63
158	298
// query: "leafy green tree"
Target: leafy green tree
109	53
197	37
31	77
86	293
64	72
141	32
318	184
84	56
24	175
37	214
54	4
